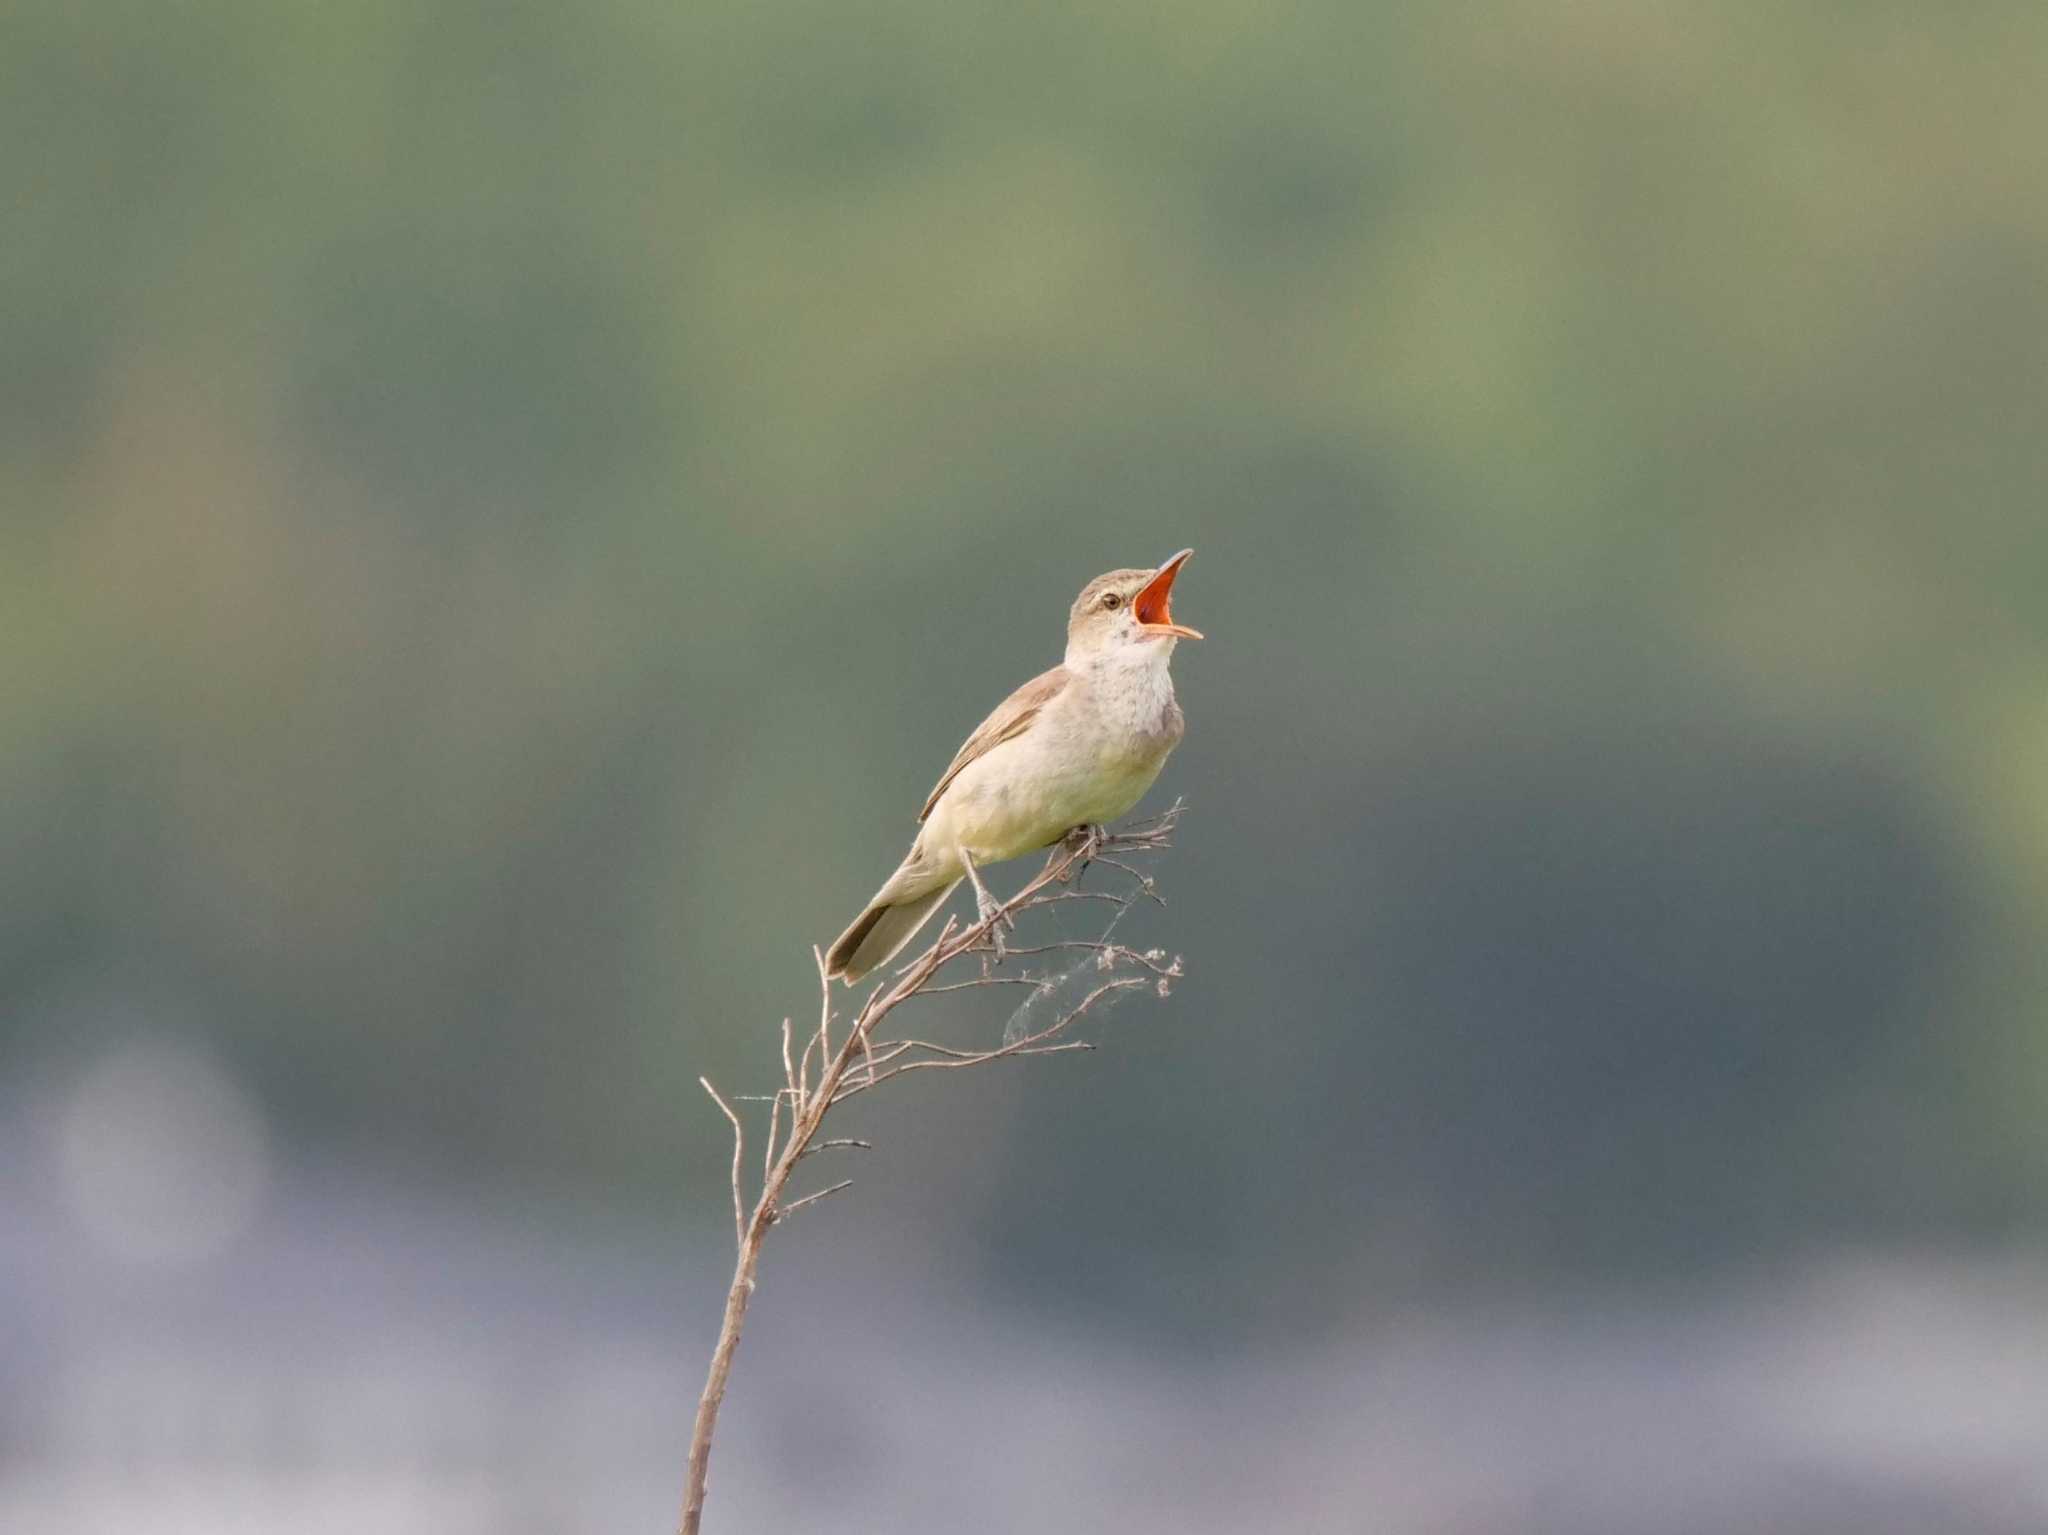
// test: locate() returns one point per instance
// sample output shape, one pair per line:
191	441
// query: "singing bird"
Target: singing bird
1074	747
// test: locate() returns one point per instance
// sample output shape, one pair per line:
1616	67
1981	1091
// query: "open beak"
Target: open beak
1153	606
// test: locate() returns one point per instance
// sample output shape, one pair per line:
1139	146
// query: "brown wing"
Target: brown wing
1013	716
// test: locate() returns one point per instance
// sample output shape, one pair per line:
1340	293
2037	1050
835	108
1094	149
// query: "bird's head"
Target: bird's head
1127	607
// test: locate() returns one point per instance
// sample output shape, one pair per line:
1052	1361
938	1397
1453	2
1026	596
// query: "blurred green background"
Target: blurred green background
508	508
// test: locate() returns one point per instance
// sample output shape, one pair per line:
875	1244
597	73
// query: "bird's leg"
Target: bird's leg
990	910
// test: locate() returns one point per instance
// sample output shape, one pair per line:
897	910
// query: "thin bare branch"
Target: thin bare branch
810	1199
824	1009
845	1141
984	980
950	1053
1146	887
1111	897
739	1144
1007	1052
1059	945
803	1063
882	1054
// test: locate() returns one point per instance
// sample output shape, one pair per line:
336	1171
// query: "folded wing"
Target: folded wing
1012	717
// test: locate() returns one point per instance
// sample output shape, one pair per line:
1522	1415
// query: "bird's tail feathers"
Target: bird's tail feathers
879	933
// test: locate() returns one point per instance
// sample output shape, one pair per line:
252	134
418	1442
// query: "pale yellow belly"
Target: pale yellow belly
1013	802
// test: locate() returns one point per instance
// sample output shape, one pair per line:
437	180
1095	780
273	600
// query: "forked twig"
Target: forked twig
859	1060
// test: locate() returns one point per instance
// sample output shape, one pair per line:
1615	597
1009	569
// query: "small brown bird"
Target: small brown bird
1077	746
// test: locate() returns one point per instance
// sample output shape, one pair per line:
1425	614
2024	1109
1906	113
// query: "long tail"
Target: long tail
882	930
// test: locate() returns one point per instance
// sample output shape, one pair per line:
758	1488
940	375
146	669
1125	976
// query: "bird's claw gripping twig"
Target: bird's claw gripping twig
1081	845
991	914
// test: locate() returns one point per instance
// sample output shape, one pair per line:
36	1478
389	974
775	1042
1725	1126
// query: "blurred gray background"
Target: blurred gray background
505	510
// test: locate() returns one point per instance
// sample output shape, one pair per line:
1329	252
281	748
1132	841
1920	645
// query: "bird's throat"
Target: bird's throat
1131	690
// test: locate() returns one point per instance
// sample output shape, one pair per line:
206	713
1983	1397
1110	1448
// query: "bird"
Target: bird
1075	747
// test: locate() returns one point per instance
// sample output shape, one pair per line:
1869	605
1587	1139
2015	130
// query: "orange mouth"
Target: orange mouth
1154	605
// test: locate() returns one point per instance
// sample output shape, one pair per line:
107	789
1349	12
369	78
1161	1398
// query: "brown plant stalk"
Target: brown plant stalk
861	1060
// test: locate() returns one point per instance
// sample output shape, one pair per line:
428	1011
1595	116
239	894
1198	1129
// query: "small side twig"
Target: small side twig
845	1141
810	1199
739	1150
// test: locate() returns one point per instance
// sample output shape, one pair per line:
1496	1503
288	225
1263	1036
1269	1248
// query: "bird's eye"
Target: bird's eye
1112	600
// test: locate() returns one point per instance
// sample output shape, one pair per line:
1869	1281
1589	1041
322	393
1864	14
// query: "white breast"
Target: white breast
1131	687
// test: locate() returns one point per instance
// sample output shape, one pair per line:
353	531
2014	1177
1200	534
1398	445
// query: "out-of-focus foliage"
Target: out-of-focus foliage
507	509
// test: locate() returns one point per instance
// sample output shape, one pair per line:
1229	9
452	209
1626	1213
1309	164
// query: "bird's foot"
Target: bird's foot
1081	845
989	911
994	919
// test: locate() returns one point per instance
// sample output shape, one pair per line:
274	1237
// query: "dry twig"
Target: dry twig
861	1059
